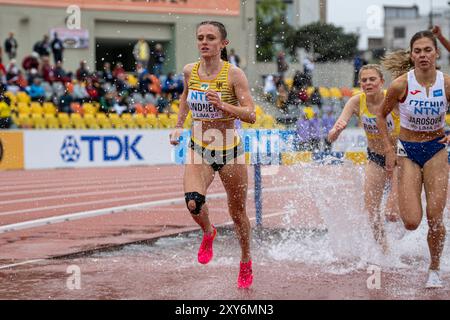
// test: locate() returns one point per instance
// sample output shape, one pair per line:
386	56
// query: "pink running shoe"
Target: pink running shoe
205	252
245	278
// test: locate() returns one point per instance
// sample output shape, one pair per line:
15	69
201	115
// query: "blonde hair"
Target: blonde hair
398	63
375	67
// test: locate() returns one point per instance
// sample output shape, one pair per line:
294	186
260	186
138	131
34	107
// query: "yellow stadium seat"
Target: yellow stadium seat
175	107
22	96
268	122
64	120
336	93
289	82
324	92
103	120
36	108
141	121
116	121
163	120
5	110
11	97
39	122
258	110
52	121
91	122
49	107
25	121
128	121
23	107
77	121
89	108
152	120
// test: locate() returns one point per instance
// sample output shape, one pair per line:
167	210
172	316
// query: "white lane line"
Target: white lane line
110	210
94	202
230	222
21	263
84	187
82	194
81	183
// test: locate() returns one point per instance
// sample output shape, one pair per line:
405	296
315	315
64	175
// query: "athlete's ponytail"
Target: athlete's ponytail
224	54
398	63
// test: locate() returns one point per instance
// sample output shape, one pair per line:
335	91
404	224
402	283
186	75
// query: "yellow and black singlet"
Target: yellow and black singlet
201	109
369	120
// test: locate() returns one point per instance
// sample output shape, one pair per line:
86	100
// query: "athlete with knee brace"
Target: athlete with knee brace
217	93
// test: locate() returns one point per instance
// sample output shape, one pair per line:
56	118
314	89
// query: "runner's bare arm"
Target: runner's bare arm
184	109
351	108
246	109
394	94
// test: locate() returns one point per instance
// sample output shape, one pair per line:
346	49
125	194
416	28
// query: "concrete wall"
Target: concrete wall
325	74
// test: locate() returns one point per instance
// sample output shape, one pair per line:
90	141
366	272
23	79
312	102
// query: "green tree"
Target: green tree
328	42
271	28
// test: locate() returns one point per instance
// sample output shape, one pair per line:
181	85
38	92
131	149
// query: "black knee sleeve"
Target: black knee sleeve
199	201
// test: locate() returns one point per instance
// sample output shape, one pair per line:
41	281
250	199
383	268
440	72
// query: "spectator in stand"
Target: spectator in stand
36	90
47	70
233	58
11	46
65	102
172	86
328	121
57	48
2	72
154	86
141	52
118	70
297	94
303	133
159	58
270	90
12	71
162	103
316	98
282	93
282	65
60	74
106	74
5	111
80	94
43	47
92	91
107	102
83	72
315	132
31	62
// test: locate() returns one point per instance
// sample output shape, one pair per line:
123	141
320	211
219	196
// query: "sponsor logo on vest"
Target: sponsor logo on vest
415	92
438	93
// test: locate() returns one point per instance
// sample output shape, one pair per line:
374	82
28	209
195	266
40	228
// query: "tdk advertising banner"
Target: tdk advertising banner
99	148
